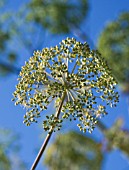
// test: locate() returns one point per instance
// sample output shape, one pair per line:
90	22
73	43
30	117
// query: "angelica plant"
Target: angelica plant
72	75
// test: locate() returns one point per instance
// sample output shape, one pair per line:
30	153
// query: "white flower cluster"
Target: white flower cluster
75	77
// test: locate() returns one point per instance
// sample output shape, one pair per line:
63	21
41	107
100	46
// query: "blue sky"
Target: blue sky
101	12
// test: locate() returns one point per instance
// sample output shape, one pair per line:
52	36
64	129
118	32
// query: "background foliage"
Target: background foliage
113	44
73	150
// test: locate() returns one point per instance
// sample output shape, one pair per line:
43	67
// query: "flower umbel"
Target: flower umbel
75	77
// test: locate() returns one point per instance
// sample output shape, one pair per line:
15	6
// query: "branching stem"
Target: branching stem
42	149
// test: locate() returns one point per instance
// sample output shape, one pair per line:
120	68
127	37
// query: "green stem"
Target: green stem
74	67
42	149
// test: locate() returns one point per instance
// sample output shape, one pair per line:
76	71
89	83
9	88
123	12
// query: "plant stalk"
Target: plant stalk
42	149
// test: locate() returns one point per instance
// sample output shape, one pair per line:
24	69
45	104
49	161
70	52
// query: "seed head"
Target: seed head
71	69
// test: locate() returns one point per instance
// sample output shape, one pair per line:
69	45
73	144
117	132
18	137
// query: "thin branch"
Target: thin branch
42	149
101	126
74	67
72	96
77	31
68	97
9	67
